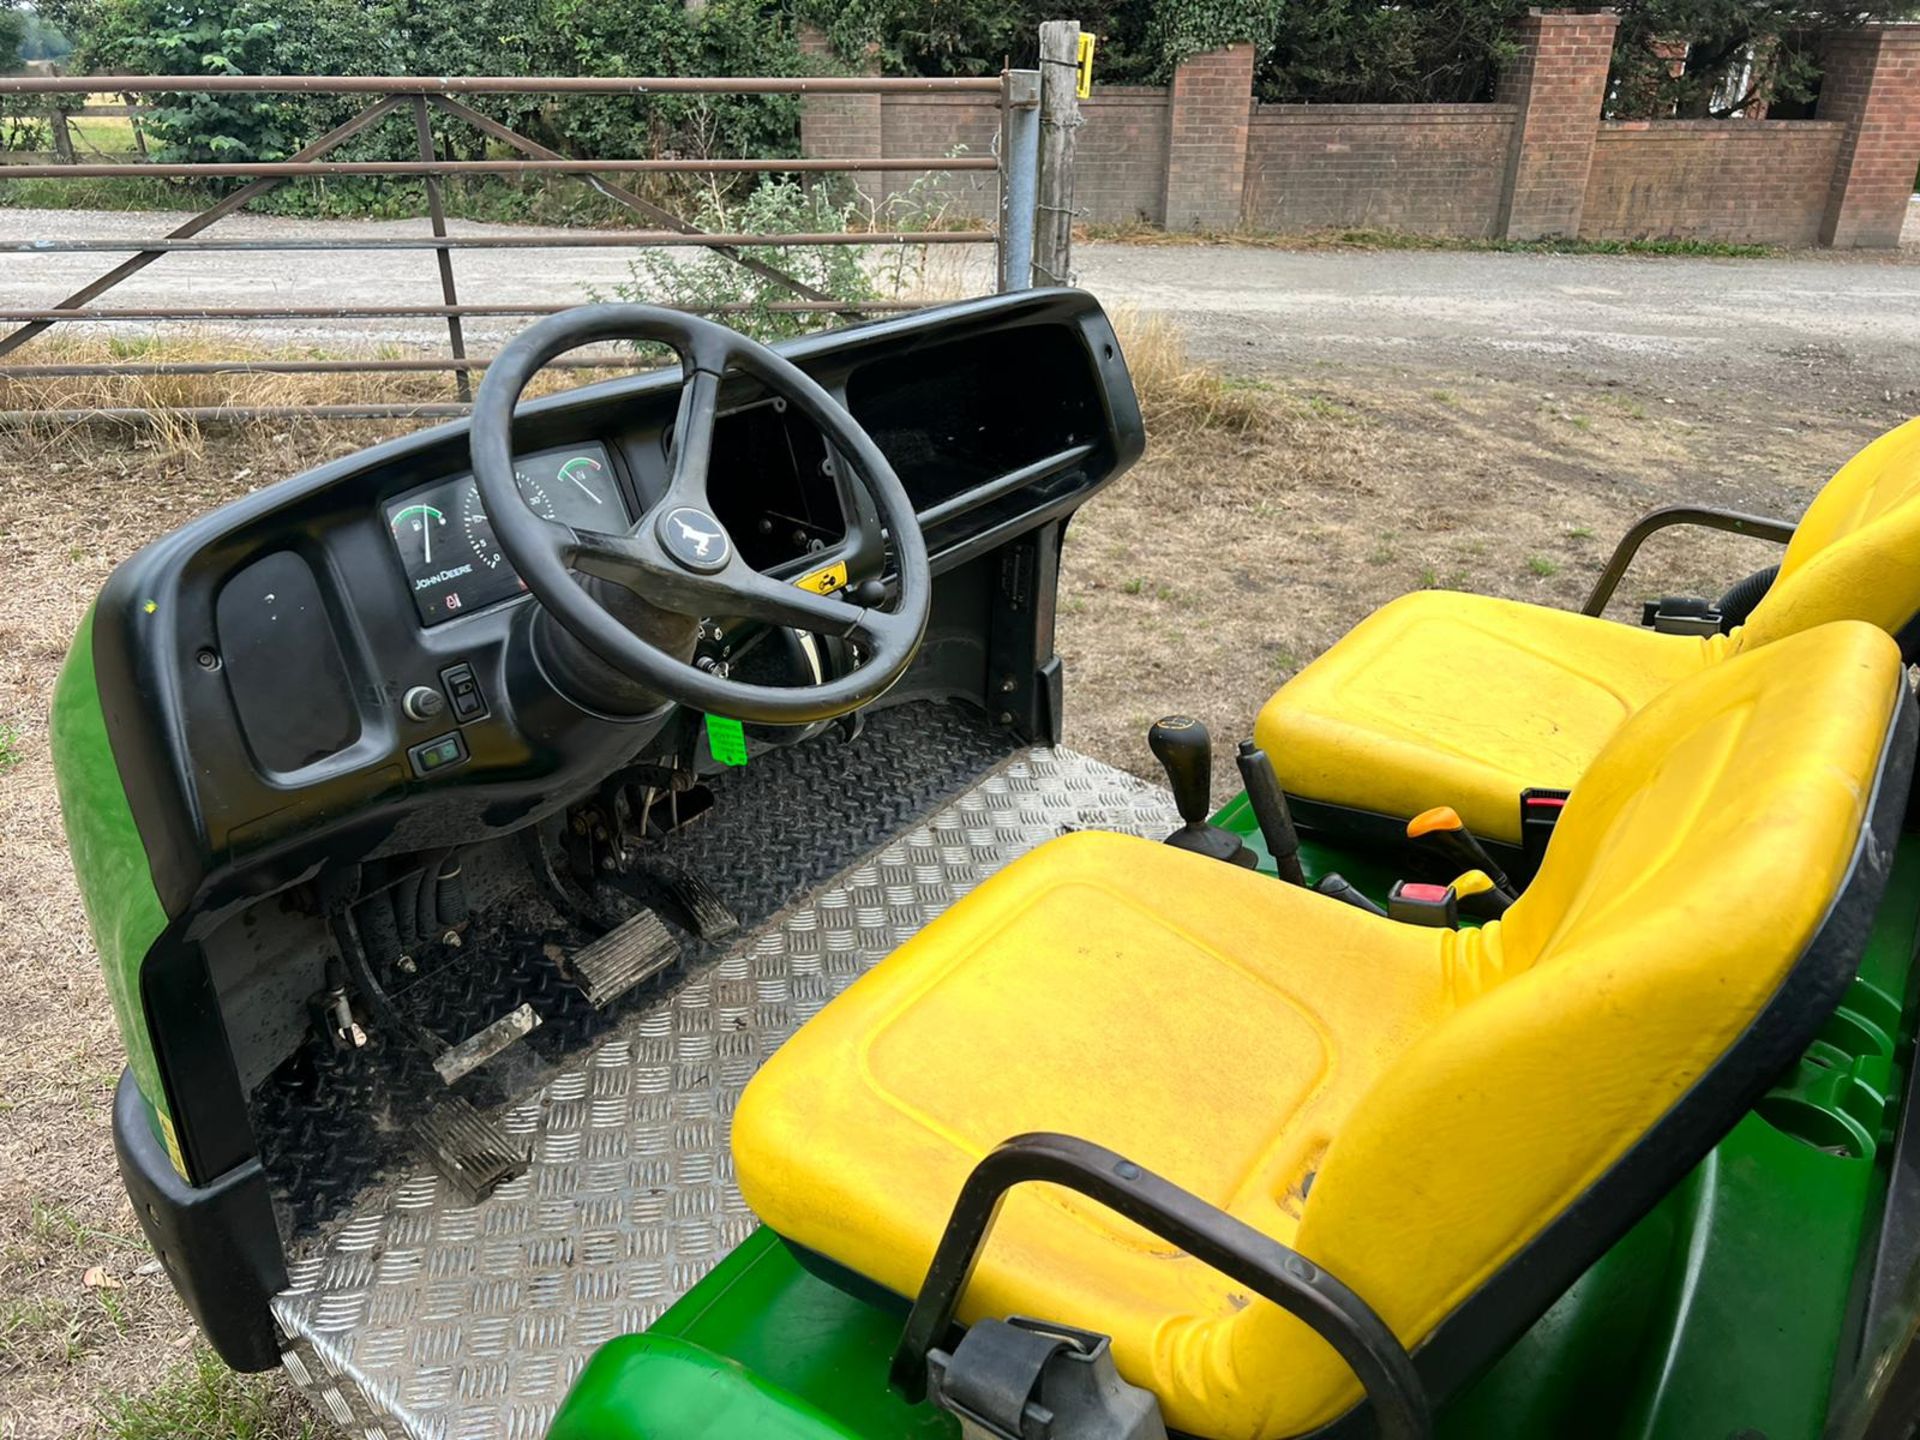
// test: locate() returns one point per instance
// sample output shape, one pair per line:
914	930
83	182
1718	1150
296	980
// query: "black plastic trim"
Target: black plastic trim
218	1242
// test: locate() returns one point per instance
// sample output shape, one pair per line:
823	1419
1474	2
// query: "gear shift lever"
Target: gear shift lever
1185	751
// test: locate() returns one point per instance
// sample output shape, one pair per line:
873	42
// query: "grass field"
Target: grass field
1271	513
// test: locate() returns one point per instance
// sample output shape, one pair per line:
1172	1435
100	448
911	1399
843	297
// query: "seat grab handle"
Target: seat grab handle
1291	1281
1707	517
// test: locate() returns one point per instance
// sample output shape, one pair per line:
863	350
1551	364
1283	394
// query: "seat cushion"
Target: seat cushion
1442	698
1248	1018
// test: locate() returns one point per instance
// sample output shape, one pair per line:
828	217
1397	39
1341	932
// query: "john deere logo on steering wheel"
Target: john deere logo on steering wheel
695	540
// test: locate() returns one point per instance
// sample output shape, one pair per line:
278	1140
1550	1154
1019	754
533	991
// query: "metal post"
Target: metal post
1059	119
1019	186
456	338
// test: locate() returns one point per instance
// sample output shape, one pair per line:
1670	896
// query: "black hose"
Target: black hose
1741	598
427	914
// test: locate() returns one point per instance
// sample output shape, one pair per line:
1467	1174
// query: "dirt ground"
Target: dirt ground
1199	582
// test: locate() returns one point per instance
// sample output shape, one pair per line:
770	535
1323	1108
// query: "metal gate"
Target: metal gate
1012	163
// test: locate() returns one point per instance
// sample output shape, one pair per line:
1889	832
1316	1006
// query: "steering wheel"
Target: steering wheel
678	557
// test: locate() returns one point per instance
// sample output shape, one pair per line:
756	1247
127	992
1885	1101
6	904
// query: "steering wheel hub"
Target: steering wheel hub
695	540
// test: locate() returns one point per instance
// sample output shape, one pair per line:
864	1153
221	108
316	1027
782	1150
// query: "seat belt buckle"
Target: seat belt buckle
1418	902
1023	1379
1680	615
1540	810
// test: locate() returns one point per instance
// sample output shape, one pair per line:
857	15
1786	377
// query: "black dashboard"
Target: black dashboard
334	666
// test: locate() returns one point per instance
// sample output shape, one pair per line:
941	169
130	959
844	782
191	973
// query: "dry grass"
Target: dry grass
1267	517
166	395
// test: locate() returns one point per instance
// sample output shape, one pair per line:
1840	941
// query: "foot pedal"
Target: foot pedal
458	1061
473	1153
708	916
635	950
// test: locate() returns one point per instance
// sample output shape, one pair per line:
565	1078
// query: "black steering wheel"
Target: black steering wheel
679	558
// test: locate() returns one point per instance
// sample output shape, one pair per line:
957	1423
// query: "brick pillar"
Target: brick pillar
1872	85
1208	108
841	126
1558	82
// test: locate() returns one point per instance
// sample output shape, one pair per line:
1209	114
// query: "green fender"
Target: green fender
110	863
654	1387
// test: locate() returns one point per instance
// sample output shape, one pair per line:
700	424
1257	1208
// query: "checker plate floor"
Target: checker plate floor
414	1314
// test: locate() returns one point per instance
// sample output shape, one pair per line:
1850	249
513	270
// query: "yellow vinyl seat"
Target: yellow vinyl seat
1442	698
1455	1124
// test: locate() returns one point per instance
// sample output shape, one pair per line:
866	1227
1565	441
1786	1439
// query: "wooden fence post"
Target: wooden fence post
1059	120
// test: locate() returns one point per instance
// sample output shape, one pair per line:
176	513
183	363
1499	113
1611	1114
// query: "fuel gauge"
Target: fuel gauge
419	531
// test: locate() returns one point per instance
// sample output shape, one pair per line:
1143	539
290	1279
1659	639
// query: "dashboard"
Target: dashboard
446	544
338	666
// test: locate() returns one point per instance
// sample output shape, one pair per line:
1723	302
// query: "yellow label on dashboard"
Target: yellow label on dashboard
825	582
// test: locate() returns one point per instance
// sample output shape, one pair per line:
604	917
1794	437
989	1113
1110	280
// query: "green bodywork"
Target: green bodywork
110	864
1723	1312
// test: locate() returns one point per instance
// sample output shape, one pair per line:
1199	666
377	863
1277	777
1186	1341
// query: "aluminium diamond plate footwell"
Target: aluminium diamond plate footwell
419	1315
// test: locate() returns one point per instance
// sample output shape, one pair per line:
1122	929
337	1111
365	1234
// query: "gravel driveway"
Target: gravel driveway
1845	320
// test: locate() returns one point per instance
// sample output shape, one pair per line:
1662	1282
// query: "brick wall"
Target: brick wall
1558	84
1430	169
1207	139
1748	182
934	125
1538	162
840	126
1120	155
1872	87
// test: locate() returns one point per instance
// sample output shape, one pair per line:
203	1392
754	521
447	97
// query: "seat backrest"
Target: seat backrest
1855	554
1697	916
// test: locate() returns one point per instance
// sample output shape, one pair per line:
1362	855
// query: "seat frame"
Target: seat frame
1515	1296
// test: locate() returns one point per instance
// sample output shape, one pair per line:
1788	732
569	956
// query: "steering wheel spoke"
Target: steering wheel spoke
692	443
777	602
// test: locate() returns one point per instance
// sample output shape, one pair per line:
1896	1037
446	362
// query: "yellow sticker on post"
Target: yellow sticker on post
1083	88
825	582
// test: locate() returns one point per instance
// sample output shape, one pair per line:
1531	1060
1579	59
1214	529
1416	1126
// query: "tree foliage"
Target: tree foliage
13	35
1738	52
447	37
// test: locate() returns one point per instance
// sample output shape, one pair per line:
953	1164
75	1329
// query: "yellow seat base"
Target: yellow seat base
1442	698
1306	1001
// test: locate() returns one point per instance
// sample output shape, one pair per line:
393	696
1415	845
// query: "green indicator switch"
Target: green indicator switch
727	739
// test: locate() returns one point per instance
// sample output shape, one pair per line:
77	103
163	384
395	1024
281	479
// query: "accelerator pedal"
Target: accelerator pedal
706	914
474	1154
635	950
458	1061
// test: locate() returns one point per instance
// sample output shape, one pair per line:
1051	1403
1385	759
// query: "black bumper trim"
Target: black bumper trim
218	1242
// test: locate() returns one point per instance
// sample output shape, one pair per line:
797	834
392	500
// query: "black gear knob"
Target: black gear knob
1185	751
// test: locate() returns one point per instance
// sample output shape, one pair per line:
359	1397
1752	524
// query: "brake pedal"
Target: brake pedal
474	1154
634	950
457	1061
707	915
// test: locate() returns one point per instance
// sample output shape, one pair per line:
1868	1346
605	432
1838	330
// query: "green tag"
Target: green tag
727	739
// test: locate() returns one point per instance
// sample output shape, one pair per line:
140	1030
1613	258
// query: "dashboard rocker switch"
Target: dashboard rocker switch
442	752
464	690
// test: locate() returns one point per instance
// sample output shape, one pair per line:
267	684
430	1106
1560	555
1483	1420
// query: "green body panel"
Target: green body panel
109	862
1722	1312
654	1387
806	1336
